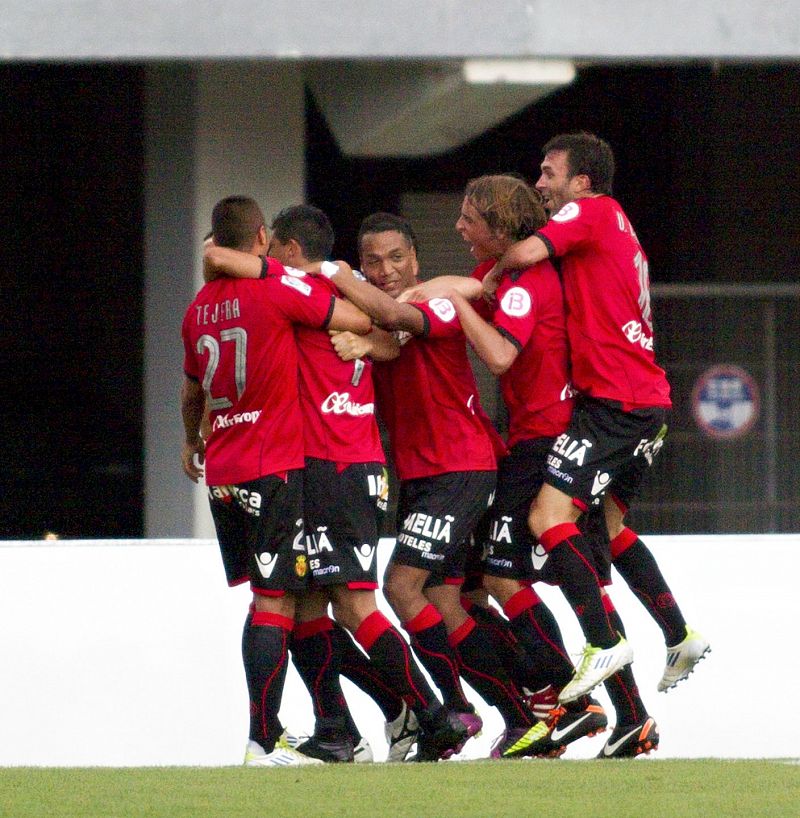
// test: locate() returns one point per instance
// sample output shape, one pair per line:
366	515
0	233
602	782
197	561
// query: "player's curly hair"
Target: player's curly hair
508	204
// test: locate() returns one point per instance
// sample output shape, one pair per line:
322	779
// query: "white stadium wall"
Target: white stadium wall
118	653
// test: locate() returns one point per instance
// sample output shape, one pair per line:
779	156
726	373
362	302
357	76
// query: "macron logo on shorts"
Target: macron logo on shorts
266	563
538	556
364	553
600	483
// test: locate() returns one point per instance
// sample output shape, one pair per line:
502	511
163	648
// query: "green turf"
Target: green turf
479	789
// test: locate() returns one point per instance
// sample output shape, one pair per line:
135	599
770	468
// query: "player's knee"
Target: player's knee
500	588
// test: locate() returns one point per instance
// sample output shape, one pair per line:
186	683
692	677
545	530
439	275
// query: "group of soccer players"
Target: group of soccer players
287	357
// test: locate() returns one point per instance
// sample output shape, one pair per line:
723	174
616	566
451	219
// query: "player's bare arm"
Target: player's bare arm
441	287
384	309
347	316
495	350
378	345
522	254
193	402
222	261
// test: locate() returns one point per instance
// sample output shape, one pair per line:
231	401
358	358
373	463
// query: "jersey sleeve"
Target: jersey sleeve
271	267
302	298
441	318
572	227
515	313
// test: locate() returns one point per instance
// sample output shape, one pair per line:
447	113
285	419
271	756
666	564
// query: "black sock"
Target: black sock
535	627
359	669
621	687
571	565
429	639
638	567
391	656
318	663
265	654
481	667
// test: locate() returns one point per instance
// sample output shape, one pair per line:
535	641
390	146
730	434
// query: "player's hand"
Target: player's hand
491	282
425	291
335	268
350	346
209	273
193	456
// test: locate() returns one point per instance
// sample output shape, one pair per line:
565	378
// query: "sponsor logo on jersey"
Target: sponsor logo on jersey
516	303
226	421
295	273
568	392
266	563
635	333
571	210
339	403
443	308
364	554
290	281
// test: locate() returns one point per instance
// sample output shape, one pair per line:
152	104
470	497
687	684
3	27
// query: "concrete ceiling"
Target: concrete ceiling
406	109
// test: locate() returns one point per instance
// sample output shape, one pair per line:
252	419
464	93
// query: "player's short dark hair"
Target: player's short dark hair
508	204
309	227
587	155
385	222
235	222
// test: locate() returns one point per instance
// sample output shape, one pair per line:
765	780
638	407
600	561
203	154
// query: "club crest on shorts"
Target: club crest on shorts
300	565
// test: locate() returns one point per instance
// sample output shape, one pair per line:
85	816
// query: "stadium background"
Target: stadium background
120	125
704	120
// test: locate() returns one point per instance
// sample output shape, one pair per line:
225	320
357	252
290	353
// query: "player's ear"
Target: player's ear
414	262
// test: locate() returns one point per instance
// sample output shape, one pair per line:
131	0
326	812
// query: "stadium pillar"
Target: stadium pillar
211	130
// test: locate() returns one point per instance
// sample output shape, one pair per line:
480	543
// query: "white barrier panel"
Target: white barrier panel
118	653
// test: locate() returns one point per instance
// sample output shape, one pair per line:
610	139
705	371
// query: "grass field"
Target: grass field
476	789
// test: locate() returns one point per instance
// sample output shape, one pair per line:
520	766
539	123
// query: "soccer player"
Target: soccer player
445	455
619	423
345	497
240	360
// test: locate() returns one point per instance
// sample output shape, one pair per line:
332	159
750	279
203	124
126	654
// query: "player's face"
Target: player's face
483	243
555	184
389	261
278	250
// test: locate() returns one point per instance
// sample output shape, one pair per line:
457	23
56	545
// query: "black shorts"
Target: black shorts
343	515
510	550
260	532
605	450
436	517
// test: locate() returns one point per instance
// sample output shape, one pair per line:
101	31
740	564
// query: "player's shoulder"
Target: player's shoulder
587	208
